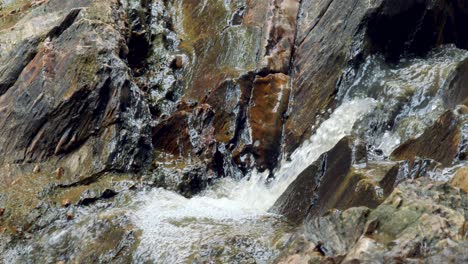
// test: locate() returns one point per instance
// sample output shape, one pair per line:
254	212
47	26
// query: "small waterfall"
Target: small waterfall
174	228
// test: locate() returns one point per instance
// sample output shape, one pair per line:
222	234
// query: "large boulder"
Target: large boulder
341	178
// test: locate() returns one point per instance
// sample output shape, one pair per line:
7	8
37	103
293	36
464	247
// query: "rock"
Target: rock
439	142
334	40
309	196
70	216
413	28
421	222
37	169
177	62
325	34
66	202
457	93
70	93
460	180
59	172
2	211
270	97
92	195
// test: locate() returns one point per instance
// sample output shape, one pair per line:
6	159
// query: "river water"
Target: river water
222	220
232	213
230	222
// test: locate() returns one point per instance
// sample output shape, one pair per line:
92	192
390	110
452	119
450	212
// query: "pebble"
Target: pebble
59	172
66	202
37	169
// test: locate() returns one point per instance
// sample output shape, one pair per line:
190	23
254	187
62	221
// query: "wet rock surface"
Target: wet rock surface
345	170
101	101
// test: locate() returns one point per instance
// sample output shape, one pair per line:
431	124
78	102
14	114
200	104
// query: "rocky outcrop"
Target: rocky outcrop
441	142
75	98
419	221
177	94
345	170
333	40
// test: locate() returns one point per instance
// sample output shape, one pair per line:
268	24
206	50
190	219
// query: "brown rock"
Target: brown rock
177	62
59	172
270	98
2	211
309	195
439	142
70	216
324	36
66	202
460	179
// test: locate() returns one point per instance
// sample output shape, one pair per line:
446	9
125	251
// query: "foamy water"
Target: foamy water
175	228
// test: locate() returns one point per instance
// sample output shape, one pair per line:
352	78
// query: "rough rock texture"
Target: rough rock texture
419	221
96	95
74	102
460	179
440	142
335	36
345	170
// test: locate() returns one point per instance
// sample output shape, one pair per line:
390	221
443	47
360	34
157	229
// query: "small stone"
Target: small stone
2	211
177	62
37	169
61	262
66	202
59	172
70	216
397	202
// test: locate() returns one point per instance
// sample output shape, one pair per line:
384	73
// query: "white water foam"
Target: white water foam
174	227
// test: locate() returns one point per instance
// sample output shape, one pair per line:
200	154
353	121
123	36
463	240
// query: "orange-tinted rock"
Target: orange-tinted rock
59	172
185	132
70	216
460	179
172	135
270	96
439	142
66	202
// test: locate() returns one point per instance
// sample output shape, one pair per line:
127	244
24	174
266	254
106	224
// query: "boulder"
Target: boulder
339	179
460	180
439	142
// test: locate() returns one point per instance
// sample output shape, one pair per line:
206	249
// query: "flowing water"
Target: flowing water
232	213
221	220
230	222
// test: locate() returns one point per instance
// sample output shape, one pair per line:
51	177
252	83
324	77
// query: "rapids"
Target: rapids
230	222
175	228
